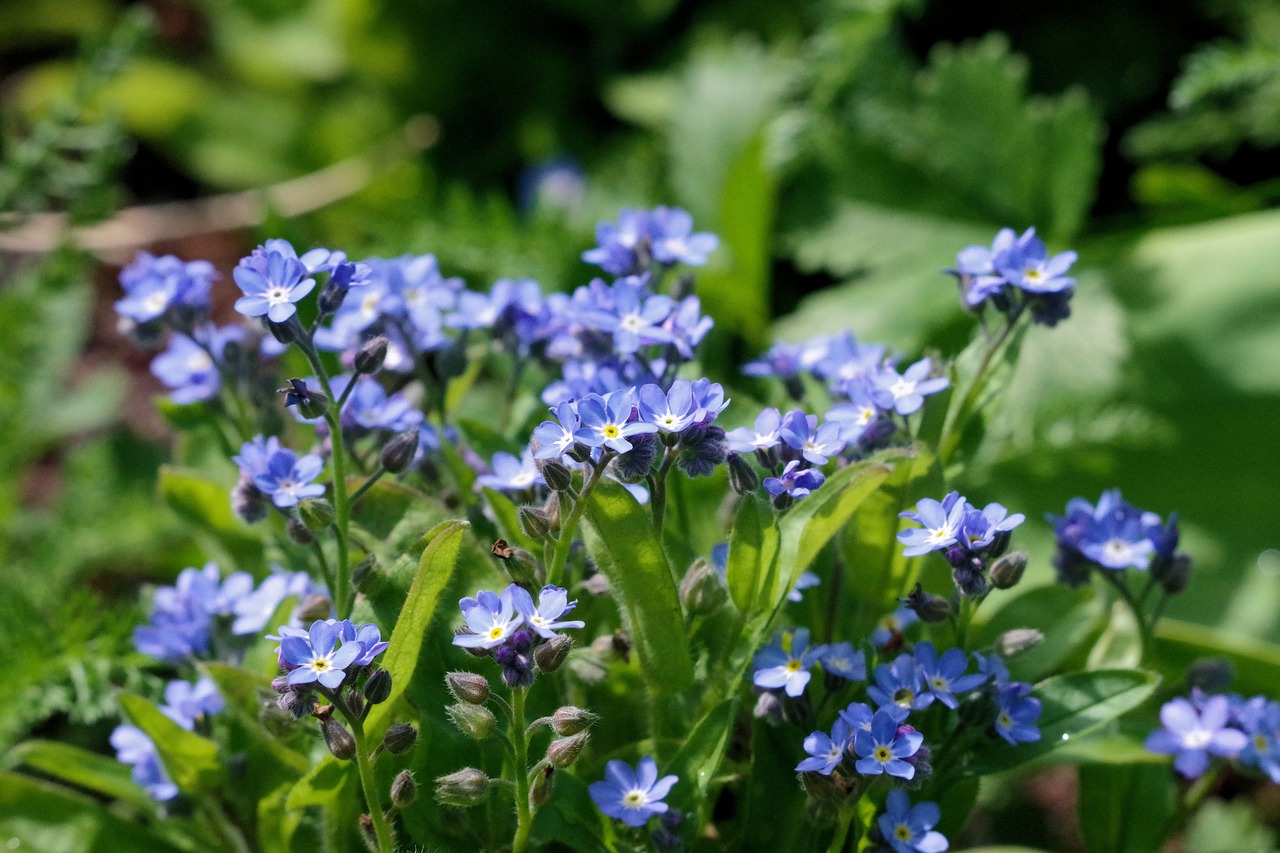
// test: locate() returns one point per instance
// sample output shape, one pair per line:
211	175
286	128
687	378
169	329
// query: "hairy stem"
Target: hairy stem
524	815
343	598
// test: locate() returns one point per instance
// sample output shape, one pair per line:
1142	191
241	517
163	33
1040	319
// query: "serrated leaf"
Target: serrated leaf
1073	705
191	760
632	558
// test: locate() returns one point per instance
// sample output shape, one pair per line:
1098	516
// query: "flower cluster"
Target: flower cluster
517	633
1202	727
970	538
1115	535
325	652
203	612
785	663
271	472
184	703
641	239
1016	274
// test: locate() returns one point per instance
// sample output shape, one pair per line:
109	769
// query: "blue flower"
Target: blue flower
618	246
994	667
905	392
782	360
794	481
672	411
315	658
670	230
1192	734
153	285
900	683
858	715
511	474
883	750
632	796
1016	714
777	667
187	368
892	626
1027	265
634	319
181	616
826	751
940	523
1114	534
544	619
184	703
841	659
910	829
272	282
801	432
807	580
607	421
491	618
367	636
943	677
763	436
133	747
287	479
1259	718
371	407
254	610
556	439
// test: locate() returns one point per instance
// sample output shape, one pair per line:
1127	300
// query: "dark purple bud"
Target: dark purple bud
1008	570
370	357
338	739
558	477
247	500
929	607
378	688
298	532
552	653
404	790
1172	574
742	477
398	453
563	752
400	738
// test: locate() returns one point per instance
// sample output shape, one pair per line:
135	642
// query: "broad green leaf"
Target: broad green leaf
957	802
382	507
1234	826
570	818
1073	706
1066	617
771	799
631	557
81	768
1179	644
1120	742
702	752
208	505
277	823
1120	645
39	816
192	761
1123	808
753	552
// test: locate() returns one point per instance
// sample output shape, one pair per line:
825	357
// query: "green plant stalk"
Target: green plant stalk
1135	607
524	815
951	438
658	484
343	599
367	781
556	552
844	823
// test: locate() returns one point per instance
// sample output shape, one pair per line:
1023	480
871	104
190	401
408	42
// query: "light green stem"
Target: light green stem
367	781
524	815
343	598
558	549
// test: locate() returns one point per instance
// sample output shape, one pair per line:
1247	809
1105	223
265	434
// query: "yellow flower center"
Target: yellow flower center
793	665
634	798
902	832
320	665
903	697
882	754
495	632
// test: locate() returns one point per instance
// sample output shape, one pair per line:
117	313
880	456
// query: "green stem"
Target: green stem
324	563
844	823
658	500
366	486
951	438
524	815
1135	608
343	598
559	549
1191	801
369	784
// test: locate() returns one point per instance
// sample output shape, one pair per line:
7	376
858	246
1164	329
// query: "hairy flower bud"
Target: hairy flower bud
1017	641
562	752
369	358
700	589
474	721
315	606
298	532
398	453
821	788
468	687
533	522
523	567
316	513
540	790
465	787
355	701
559	478
1008	570
568	720
296	705
338	739
551	654
929	607
742	477
287	332
361	574
399	738
378	688
404	790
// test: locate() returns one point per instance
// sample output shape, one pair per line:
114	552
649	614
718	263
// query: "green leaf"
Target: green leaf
1073	706
631	557
241	694
207	505
1233	826
1180	644
1124	808
191	760
702	752
40	816
1121	642
381	508
753	552
979	378
1067	617
81	768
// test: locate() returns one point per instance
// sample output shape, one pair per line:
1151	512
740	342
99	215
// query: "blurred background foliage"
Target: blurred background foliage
844	149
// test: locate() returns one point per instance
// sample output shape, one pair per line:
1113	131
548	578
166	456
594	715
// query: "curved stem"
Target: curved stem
367	781
367	485
658	500
559	551
951	438
1135	608
524	815
844	823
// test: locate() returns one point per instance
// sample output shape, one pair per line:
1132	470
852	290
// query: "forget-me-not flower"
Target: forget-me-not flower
1193	734
632	796
883	750
910	829
786	669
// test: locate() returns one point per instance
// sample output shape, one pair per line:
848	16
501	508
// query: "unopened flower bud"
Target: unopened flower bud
533	522
355	701
568	720
970	580
369	358
361	574
559	478
468	687
820	787
929	607
296	705
562	752
280	684
287	332
315	606
247	500
540	790
1212	675
338	739
316	513
552	653
311	402
742	476
474	721
579	452
298	532
367	832
523	567
1017	641
1172	574
399	738
466	787
378	688
700	589
1008	570
398	453
404	790
782	500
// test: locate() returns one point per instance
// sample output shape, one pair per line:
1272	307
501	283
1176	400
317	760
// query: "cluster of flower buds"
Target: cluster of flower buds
517	633
972	540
